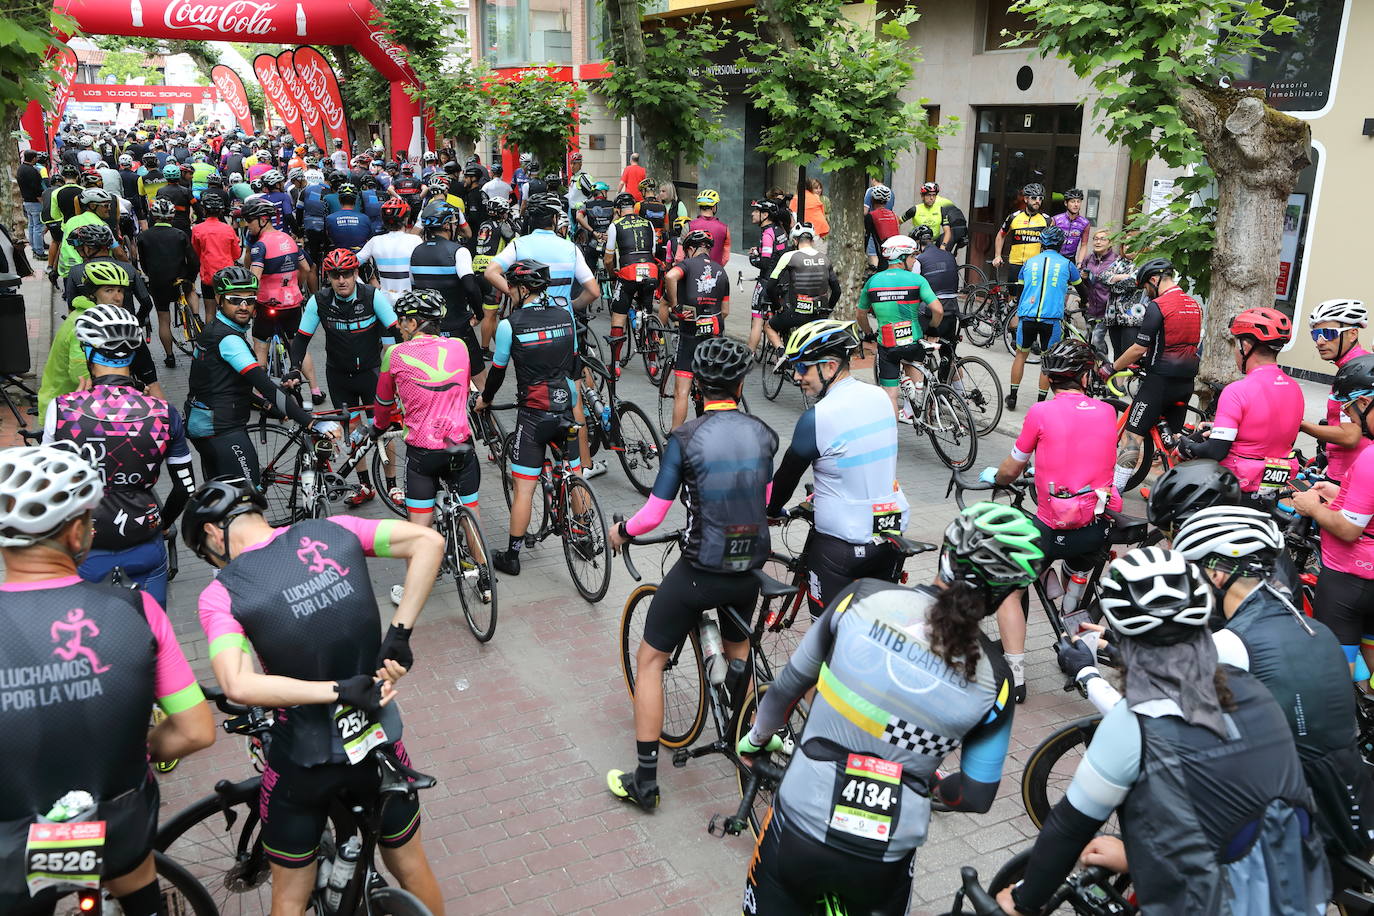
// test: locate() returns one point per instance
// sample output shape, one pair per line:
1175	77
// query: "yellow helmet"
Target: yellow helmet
708	198
817	340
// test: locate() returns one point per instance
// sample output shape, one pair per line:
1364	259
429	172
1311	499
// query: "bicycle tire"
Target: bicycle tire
971	275
796	722
628	345
1147	460
772	381
281	455
395	901
381	465
641	447
184	336
684	678
780	639
181	893
982	392
539	504
980	322
1009	340
228	859
480	614
585	543
666	397
654	353
1036	793
949	424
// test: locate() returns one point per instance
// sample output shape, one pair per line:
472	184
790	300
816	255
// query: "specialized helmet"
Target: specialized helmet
259	209
1155	267
1156	594
1052	237
235	278
1354	380
880	194
150	159
421	304
214	180
1349	313
45	487
1188	488
437	214
394	210
1068	359
1034	189
111	331
698	238
235	177
171	171
125	160
923	235
348	189
708	198
585	184
95	274
92	235
719	363
1239	533
896	247
623	200
803	230
1266	325
162	210
930	187
648	186
821	339
1073	194
295	173
992	546
218	502
339	259
95	197
429	156
528	273
526	158
257	186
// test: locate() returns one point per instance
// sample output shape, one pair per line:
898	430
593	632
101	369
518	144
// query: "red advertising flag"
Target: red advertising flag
231	91
265	66
64	71
323	86
310	115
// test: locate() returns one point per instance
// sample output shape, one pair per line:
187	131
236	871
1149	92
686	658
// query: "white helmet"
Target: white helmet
110	329
526	158
1229	531
92	197
803	230
1152	587
899	246
880	194
431	156
125	160
1348	312
45	487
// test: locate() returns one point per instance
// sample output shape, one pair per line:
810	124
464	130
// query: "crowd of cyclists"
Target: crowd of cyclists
1227	753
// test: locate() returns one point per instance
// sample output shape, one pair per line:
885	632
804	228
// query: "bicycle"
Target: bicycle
647	338
187	324
620	426
297	479
180	892
466	557
1093	891
566	506
937	410
1161	444
973	379
985	308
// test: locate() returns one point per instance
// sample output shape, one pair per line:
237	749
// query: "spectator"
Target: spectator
31	190
1125	304
815	207
1097	291
630	178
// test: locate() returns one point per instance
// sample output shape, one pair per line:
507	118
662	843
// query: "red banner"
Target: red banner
145	95
64	71
232	93
265	66
323	87
310	115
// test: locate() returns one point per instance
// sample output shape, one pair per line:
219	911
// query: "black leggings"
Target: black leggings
835	564
686	592
1345	603
1120	336
230	453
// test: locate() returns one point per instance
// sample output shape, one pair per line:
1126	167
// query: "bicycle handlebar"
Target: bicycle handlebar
643	541
958	483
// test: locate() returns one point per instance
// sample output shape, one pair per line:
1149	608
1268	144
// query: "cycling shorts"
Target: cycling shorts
535	430
425	467
787	322
269	320
164	297
1345	603
230	453
1079	548
1159	395
315	242
143	368
790	872
890	362
207	292
835	564
1037	335
686	592
636	293
353	391
294	806
686	349
760	307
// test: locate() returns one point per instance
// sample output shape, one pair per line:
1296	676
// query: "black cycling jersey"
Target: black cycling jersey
941	271
65	198
353	329
166	256
805	283
224	374
600	213
543	347
184	202
433	265
634	240
656	212
411	190
703	287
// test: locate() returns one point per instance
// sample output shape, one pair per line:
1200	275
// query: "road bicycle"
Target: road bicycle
187	324
984	309
646	337
181	893
667	397
565	506
297	475
466	557
1093	891
1161	444
937	411
619	426
773	377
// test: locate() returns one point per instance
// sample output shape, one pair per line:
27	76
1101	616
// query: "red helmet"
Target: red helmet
339	259
1266	325
395	208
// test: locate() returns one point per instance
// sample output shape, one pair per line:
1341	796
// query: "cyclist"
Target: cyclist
312	211
594	216
696	293
356	317
348	227
1075	227
490	238
275	260
178	191
631	243
132	434
1045	279
444	264
930	212
1258	415
708	202
170	263
721	462
1072	438
541	338
272	181
1186	488
804	284
1166	346
941	271
896	297
1025	227
277	590
410	189
1336	326
904	677
96	206
391	251
880	223
849	441
768	214
224	374
1198	763
102	283
216	246
116	656
655	211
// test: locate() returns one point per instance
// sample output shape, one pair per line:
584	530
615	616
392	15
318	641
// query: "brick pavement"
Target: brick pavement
520	731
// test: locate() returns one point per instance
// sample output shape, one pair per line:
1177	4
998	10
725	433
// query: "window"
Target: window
1298	73
598	28
521	32
1000	19
1293	243
932	153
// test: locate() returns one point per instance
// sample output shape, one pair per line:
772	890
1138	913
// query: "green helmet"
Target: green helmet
104	273
994	546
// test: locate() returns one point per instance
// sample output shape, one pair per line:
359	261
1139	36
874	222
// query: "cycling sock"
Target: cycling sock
1121	476
1013	389
316	394
391	483
617	341
146	901
516	543
646	769
365	478
1040	395
1017	663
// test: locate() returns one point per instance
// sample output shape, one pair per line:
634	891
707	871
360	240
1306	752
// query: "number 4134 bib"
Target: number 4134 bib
866	804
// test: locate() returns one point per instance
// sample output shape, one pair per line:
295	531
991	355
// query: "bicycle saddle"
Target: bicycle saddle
459	449
1126	529
772	588
399	778
909	548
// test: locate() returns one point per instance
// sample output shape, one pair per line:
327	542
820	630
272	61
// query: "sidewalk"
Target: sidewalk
40	324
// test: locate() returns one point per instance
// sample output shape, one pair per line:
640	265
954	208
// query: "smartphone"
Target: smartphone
1073	622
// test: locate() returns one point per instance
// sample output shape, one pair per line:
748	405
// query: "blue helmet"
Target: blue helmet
437	214
1052	237
171	171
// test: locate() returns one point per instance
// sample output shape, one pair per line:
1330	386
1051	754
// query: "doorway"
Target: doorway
1014	146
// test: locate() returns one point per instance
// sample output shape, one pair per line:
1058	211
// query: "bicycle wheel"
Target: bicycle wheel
772	381
791	737
684	675
640	448
282	453
666	385
1051	767
585	546
1147	460
628	344
785	624
186	327
219	841
979	318
473	577
492	433
950	426
654	352
182	894
981	389
385	467
971	275
394	901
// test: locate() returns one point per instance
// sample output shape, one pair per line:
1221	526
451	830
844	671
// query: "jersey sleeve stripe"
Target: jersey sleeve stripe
184	699
231	641
381	538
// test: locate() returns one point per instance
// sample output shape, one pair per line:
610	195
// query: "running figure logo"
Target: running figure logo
311	555
76	625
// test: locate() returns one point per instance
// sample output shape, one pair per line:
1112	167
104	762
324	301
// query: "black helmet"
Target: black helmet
1187	488
719	363
1073	194
698	238
528	273
1034	189
768	207
349	190
235	278
473	171
923	234
1354	380
259	209
218	503
1069	359
92	235
624	200
421	304
213	202
1052	237
1155	267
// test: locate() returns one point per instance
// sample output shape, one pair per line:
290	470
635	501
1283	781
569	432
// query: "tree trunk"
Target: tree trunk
11	206
845	244
628	38
1257	154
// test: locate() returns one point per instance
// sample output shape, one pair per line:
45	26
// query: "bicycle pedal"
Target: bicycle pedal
680	758
719	825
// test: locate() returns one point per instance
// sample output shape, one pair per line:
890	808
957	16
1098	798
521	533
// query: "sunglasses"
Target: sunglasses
341	274
239	301
1327	334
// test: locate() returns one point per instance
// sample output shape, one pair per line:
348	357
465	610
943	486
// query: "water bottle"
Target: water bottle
634	319
1073	593
357	436
342	872
713	651
605	417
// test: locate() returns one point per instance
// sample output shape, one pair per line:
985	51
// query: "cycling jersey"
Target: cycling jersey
1045	280
600	213
392	253
887	712
285	208
183	202
656	213
411	190
372	208
217	246
720	236
445	265
1338	457
564	259
1171	331
149	185
166	256
67	256
895	297
542	339
633	240
1073	438
1355	501
313	208
491	237
703	288
941	270
932	217
353	327
307	585
1024	229
1259	414
348	229
275	253
881	224
430	377
806	283
772	243
1074	227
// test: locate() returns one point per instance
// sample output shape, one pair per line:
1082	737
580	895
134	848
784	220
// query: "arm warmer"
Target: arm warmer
963	793
473	293
649	517
495	376
279	400
800	675
834	289
183	485
1211	447
1056	850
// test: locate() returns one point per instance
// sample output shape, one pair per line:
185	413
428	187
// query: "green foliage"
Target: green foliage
424	27
673	88
202	53
126	66
366	93
1138	55
457	97
26	37
536	113
257	102
836	95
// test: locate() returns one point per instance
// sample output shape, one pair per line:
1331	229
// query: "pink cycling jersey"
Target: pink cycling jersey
276	254
1073	438
1338	457
1260	415
1356	503
430	377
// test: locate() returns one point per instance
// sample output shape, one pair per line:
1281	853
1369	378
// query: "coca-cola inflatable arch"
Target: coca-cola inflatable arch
289	22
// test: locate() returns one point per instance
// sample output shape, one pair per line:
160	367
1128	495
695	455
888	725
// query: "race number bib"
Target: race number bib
708	325
806	305
867	799
887	518
740	541
64	855
897	334
1275	476
643	272
358	734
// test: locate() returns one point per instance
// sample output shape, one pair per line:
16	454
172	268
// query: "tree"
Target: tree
125	66
458	97
202	53
27	38
832	90
661	79
536	112
1161	68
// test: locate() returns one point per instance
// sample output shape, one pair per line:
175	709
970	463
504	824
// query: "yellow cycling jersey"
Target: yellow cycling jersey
932	216
1024	229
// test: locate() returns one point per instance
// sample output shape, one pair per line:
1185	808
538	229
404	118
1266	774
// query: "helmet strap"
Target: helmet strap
1343	349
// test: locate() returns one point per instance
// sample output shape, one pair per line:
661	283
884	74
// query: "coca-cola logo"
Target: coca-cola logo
273	88
316	80
397	53
236	17
232	93
293	83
